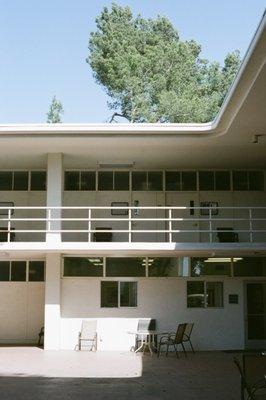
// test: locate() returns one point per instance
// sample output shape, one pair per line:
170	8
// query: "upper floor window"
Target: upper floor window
248	180
147	180
23	180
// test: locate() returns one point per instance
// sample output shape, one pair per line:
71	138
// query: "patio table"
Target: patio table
147	339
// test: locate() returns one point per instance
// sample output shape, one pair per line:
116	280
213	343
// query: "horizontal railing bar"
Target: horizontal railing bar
132	219
129	231
130	208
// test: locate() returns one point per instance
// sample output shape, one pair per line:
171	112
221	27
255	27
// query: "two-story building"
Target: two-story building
117	222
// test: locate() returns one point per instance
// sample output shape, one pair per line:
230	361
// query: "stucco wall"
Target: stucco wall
160	298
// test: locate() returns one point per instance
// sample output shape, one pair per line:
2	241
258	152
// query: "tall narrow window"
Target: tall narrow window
21	179
139	180
206	180
72	180
36	271
4	270
109	294
121	180
87	180
38	180
18	271
155	180
105	180
172	180
5	180
189	180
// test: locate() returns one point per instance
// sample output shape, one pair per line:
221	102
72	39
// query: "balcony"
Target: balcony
123	227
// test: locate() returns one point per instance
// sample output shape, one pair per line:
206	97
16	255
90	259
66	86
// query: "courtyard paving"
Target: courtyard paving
31	373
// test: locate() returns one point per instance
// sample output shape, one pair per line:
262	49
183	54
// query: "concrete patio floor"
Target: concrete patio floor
31	373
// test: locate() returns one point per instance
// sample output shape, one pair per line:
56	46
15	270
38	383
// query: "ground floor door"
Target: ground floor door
256	315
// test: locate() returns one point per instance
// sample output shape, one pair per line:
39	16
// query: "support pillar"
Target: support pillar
54	194
52	302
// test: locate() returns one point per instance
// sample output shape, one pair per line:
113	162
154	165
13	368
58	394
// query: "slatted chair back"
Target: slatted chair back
179	336
188	330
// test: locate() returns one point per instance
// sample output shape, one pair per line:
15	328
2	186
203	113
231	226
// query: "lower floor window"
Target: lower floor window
204	294
116	294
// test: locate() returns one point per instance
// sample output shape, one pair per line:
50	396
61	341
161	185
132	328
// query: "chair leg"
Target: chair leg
183	347
167	350
159	350
176	352
192	348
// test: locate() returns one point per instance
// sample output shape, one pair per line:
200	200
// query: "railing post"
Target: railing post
210	225
129	226
9	225
170	225
49	220
89	225
250	226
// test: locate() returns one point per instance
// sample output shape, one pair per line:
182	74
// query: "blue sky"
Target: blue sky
43	47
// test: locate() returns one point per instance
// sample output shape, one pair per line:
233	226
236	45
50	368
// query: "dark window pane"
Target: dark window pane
105	180
4	270
189	180
88	180
20	180
240	180
172	180
139	180
195	294
256	180
72	180
128	294
5	180
250	266
222	180
36	271
81	266
163	266
210	266
155	180
121	180
38	180
122	266
206	180
18	271
109	294
214	294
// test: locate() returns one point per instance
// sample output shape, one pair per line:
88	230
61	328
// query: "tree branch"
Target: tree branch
115	114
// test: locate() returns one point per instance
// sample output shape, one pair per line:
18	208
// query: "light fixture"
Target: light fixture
222	260
129	164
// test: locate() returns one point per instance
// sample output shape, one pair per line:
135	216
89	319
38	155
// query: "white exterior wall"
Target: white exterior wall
161	298
21	311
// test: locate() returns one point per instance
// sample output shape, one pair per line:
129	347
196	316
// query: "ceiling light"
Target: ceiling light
222	260
129	164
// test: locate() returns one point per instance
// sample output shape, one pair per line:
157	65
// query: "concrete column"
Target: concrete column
52	302
54	192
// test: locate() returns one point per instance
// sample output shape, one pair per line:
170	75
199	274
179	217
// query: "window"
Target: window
172	180
206	180
214	294
163	267
105	180
21	179
38	180
125	266
81	266
222	180
18	271
250	266
5	180
87	180
36	271
71	180
202	294
121	180
116	294
189	180
4	270
155	180
210	266
139	180
256	180
240	180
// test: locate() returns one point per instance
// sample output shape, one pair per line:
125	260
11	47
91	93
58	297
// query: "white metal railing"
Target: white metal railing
174	224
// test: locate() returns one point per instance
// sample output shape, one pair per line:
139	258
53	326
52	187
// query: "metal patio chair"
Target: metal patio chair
254	389
173	339
88	334
187	335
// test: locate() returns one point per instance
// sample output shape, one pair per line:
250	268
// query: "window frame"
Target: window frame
27	270
205	305
119	281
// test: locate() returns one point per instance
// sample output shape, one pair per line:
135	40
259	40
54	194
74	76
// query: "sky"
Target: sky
44	45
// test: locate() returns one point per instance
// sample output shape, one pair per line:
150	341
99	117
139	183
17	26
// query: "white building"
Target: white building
189	246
